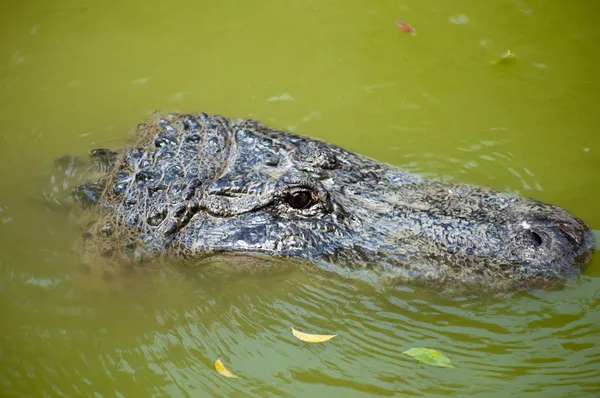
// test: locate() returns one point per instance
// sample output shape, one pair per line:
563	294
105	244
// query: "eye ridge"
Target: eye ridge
300	199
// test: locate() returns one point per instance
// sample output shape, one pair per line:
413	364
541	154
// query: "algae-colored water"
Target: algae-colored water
78	74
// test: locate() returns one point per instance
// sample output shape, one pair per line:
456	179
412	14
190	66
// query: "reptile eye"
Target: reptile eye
299	199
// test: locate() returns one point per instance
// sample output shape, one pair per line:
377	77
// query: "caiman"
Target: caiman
191	187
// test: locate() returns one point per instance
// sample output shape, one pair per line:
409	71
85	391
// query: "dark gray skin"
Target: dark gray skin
192	187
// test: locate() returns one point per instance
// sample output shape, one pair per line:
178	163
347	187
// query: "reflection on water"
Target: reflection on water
75	75
161	335
492	159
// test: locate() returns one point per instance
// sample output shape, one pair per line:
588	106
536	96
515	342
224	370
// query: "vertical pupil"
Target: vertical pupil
299	200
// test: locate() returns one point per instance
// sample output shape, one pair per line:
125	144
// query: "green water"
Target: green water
78	74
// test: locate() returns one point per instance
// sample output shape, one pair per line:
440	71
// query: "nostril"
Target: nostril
535	238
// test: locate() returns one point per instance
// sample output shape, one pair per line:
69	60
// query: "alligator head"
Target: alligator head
190	187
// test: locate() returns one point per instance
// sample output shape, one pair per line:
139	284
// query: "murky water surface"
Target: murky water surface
78	74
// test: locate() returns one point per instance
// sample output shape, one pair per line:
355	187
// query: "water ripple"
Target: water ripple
162	336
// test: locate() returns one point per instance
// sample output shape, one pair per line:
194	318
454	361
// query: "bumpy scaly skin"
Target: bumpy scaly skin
190	187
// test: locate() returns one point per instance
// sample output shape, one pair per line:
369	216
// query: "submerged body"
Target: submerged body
192	187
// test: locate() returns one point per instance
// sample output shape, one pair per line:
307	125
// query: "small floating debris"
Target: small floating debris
141	81
176	97
282	97
223	370
312	338
459	19
507	57
405	28
429	356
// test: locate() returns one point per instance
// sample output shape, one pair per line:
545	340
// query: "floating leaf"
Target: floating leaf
507	57
404	27
223	370
429	356
312	338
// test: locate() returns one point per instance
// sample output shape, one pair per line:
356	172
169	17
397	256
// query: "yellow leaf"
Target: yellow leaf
312	338
223	370
507	57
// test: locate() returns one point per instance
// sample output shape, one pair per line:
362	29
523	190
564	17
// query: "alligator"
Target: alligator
190	187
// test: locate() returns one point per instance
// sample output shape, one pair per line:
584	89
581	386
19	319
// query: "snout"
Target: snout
558	241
